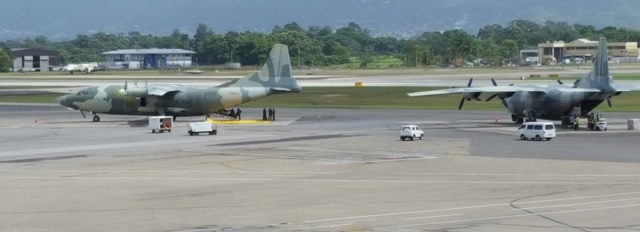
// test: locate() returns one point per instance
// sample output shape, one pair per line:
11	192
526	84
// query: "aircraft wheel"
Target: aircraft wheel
96	118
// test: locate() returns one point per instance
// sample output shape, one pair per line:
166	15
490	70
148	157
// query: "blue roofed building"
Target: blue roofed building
148	58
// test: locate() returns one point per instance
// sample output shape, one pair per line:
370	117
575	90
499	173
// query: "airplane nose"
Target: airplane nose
60	99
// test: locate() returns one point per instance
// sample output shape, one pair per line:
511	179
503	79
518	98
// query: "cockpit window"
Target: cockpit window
83	92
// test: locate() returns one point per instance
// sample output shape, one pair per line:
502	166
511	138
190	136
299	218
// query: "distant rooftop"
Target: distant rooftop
149	51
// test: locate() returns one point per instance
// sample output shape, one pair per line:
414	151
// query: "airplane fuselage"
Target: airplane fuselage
550	106
192	102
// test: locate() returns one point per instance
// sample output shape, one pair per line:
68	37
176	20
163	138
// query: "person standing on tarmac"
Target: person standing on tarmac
273	118
570	122
576	122
238	114
264	114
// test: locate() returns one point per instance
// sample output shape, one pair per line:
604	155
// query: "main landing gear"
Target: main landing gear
96	118
516	119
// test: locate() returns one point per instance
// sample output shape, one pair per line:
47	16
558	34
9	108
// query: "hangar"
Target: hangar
148	58
584	50
33	59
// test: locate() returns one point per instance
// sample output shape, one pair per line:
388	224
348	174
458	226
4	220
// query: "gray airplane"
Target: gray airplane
550	102
179	100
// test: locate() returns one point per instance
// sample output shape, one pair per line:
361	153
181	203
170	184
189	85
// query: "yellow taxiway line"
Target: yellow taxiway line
237	121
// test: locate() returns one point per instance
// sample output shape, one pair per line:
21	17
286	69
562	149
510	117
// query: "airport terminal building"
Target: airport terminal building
583	50
148	58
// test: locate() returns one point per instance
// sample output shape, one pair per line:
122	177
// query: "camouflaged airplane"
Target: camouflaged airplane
179	100
550	102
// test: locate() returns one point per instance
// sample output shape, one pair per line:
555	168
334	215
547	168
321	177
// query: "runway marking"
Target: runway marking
518	174
584	203
116	171
467	207
330	180
326	180
437	216
318	227
512	216
459	174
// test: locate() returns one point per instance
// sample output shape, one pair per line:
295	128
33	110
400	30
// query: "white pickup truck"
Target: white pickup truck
410	132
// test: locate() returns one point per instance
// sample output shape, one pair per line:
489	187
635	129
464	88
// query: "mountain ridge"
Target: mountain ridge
63	19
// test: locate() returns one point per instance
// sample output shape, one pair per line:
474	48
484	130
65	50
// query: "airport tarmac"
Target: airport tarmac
313	170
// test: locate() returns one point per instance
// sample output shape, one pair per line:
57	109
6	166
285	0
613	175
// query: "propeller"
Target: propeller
504	102
468	96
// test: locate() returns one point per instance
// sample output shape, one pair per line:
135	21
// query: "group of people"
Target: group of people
269	114
235	114
592	120
272	114
575	121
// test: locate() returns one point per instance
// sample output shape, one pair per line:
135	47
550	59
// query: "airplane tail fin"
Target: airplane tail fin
599	77
275	74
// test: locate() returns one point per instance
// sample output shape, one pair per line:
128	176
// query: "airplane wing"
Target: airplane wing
578	90
496	89
162	89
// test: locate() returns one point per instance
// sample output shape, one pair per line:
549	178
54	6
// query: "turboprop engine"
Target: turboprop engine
468	96
134	92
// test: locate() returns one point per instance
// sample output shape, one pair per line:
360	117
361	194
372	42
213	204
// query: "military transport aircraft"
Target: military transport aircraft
550	102
179	100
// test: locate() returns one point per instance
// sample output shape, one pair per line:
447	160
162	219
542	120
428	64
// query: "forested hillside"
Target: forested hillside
323	46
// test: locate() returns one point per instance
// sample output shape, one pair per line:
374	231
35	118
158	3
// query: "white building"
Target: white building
148	58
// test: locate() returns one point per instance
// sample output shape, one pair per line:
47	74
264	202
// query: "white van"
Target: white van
537	131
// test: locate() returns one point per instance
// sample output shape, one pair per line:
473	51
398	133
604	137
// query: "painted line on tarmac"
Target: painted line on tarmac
335	180
124	171
466	207
511	216
319	227
517	174
583	203
437	216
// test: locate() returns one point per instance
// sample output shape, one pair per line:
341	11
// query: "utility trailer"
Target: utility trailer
195	128
160	124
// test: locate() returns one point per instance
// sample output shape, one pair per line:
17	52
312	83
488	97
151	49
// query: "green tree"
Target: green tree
5	60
